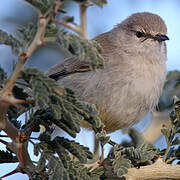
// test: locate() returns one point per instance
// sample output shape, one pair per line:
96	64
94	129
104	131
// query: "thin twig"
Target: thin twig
166	152
82	29
76	29
83	18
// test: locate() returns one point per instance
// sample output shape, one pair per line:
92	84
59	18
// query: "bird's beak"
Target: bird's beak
161	37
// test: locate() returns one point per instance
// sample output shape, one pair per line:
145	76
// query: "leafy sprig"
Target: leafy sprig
171	133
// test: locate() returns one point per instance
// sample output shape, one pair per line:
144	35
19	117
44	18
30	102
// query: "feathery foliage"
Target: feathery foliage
43	7
26	33
88	50
61	165
84	49
67	111
171	134
171	88
9	40
121	158
3	77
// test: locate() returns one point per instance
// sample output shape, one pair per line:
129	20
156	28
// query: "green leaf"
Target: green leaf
68	19
176	141
121	165
99	3
81	152
27	33
3	77
124	158
55	155
42	6
67	111
9	40
54	166
88	50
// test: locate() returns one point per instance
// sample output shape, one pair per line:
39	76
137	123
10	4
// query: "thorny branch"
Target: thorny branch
20	138
158	170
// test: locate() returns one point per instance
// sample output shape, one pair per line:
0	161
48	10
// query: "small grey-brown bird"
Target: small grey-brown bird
134	71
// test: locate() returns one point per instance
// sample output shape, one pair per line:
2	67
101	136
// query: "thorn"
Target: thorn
9	174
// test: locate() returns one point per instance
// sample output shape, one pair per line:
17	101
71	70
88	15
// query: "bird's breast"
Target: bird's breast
129	92
149	81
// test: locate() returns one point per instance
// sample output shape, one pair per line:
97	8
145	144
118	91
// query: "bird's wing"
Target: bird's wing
67	67
74	65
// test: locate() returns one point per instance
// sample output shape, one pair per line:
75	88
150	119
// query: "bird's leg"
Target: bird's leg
102	153
96	148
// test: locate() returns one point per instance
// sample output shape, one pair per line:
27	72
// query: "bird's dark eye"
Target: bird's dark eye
139	34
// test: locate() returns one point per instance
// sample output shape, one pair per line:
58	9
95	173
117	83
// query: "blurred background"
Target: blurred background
16	13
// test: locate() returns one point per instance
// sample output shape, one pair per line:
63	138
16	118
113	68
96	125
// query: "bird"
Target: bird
131	82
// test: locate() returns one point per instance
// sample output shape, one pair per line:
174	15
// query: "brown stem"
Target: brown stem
76	29
37	42
82	29
19	144
83	17
102	153
158	170
166	152
5	125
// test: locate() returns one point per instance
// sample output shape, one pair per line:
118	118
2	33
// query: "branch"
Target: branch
19	139
158	170
19	144
82	29
37	42
76	29
83	25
